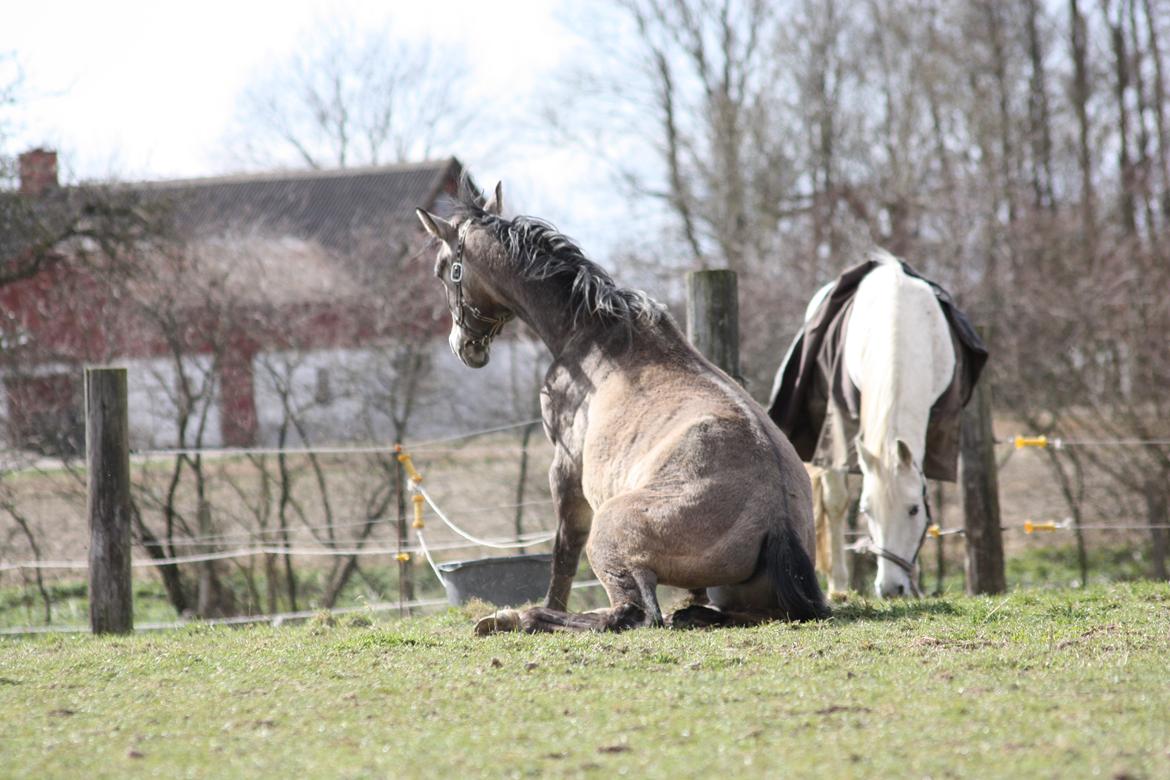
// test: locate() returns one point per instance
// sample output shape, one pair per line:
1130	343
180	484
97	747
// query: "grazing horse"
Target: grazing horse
876	380
664	469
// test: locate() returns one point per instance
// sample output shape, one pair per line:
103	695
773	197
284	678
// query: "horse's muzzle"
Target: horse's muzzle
475	358
473	354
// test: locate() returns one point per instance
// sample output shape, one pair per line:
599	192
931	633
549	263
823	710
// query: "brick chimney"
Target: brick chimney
38	172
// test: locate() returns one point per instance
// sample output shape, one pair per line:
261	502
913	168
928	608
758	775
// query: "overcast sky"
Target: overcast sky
136	90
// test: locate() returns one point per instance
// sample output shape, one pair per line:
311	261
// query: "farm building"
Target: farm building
284	307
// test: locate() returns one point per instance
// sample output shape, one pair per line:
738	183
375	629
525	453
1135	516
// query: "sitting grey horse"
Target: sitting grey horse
665	469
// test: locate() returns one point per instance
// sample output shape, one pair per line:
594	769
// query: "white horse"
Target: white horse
899	355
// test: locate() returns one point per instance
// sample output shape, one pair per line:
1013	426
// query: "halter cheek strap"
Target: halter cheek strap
481	337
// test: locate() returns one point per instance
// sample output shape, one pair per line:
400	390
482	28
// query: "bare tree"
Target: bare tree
350	97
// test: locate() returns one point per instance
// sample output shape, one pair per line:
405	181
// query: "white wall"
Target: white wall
153	398
365	383
450	398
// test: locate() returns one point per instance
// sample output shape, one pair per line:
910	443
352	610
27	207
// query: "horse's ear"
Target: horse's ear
867	460
437	226
495	204
905	456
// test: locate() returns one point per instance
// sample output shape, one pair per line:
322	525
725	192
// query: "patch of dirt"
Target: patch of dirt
961	644
835	708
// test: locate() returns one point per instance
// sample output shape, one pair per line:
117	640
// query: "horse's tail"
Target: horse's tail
793	577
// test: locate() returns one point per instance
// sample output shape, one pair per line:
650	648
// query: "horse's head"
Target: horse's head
893	502
477	310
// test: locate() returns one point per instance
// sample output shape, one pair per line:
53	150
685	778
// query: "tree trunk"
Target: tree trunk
1159	103
1080	100
170	573
1038	114
405	571
1003	99
1121	87
522	481
1157	517
1142	163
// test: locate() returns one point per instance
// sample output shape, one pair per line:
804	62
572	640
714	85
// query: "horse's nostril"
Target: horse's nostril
901	590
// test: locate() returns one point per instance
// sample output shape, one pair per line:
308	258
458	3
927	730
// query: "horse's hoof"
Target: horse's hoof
839	596
498	622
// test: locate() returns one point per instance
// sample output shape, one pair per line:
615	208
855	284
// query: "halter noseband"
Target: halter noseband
482	338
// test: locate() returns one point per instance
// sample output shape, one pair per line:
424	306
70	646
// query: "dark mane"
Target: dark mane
541	252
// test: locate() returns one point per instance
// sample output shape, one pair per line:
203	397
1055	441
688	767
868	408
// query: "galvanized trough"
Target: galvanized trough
504	581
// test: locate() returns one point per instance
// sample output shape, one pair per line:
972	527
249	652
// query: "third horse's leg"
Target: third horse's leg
834	502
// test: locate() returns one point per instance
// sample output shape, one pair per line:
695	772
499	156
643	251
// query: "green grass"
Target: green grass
1037	683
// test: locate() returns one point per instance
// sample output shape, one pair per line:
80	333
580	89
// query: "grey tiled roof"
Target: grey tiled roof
329	207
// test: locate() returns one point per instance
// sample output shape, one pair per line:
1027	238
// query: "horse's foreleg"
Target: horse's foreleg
573	520
834	506
535	620
635	606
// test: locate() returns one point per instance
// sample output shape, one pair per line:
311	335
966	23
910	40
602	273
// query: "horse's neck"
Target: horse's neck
545	308
899	355
581	338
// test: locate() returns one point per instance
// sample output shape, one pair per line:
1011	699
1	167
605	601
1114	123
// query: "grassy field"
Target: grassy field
1056	683
1043	566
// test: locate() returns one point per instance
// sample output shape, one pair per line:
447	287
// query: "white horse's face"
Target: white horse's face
893	502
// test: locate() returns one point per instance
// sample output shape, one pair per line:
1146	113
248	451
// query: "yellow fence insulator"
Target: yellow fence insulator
408	464
1030	527
418	511
933	531
402	557
1031	441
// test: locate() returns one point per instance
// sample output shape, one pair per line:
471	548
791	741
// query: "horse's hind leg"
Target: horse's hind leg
700	616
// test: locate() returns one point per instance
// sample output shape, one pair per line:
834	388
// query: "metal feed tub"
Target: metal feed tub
505	582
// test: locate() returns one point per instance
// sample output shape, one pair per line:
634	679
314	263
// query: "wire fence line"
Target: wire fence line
289	546
238	620
1039	526
302	528
335	552
429	445
332	548
276	619
1044	441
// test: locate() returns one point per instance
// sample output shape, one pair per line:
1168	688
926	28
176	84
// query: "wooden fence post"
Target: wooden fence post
107	451
979	483
713	318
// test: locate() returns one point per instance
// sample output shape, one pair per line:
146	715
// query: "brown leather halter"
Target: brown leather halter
480	337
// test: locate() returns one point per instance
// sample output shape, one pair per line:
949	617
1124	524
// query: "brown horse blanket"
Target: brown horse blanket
818	407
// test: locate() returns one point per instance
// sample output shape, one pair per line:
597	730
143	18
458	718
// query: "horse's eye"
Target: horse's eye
914	510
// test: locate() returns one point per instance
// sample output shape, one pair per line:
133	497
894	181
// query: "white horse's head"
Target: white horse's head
893	502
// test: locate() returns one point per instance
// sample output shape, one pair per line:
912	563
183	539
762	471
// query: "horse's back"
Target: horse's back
897	329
